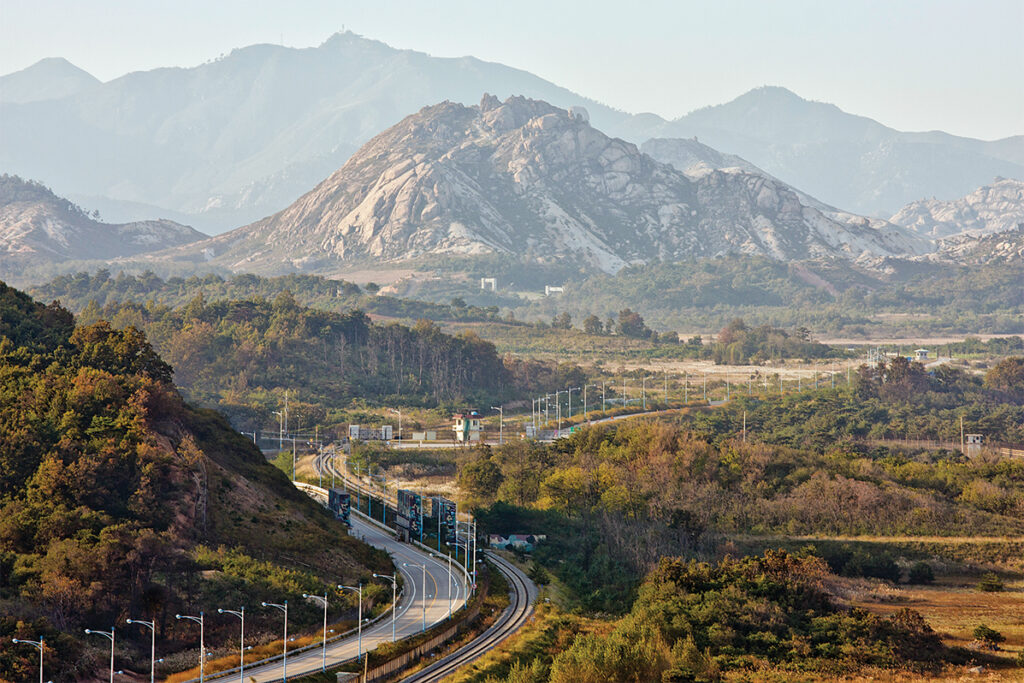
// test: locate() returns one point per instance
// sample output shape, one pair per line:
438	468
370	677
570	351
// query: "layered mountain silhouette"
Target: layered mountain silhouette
530	180
232	140
992	208
38	228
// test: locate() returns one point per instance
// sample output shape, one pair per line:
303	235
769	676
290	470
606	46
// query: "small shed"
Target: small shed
921	354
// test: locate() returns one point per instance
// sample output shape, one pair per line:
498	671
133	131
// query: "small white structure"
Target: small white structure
429	435
549	290
467	427
490	283
364	433
921	354
973	444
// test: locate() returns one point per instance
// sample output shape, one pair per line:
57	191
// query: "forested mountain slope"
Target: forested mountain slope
110	488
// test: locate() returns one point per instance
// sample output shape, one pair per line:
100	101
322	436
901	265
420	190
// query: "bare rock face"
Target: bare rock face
1006	246
525	178
37	228
989	209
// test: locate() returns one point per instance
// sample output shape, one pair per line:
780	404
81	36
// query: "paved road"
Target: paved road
409	618
523	594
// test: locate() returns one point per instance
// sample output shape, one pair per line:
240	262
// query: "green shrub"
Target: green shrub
921	572
988	636
990	583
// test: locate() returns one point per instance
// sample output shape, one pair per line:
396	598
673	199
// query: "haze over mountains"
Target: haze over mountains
529	180
38	228
229	141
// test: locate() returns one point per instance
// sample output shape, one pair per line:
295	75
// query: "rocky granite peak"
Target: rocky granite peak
989	209
524	178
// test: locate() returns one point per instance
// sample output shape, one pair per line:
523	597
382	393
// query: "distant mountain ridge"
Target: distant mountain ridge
38	228
845	160
53	78
993	208
530	180
242	137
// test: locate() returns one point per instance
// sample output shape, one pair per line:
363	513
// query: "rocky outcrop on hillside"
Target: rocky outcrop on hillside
1006	246
989	209
38	228
522	177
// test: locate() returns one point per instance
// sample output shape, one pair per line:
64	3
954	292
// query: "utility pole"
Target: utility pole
744	426
501	423
399	411
686	388
604	403
705	386
962	451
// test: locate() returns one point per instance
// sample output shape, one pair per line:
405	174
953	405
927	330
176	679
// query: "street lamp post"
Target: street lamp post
501	423
280	430
201	620
324	601
240	613
644	390
152	645
284	608
357	589
558	413
393	578
106	634
449	581
38	644
473	587
423	568
383	497
399	411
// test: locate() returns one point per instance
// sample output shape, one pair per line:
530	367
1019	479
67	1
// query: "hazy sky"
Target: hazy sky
911	64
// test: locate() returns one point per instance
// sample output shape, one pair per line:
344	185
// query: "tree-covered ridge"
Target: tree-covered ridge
756	618
240	357
79	290
109	482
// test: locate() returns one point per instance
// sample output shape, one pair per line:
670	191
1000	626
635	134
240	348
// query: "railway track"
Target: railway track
524	593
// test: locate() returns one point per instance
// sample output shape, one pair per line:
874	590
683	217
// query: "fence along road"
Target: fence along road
408	620
523	595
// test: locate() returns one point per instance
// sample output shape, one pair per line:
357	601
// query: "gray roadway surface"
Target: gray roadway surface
408	619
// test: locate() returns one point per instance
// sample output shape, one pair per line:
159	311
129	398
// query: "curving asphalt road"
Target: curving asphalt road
413	608
523	594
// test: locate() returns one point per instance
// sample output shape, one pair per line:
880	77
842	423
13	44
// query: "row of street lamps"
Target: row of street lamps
240	613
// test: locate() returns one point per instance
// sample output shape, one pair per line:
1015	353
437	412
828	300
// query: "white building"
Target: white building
364	433
467	426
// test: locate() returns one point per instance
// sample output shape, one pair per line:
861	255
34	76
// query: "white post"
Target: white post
106	634
359	590
284	608
38	644
152	645
240	613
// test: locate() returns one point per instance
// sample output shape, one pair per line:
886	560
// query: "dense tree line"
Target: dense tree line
109	484
77	291
756	618
240	355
